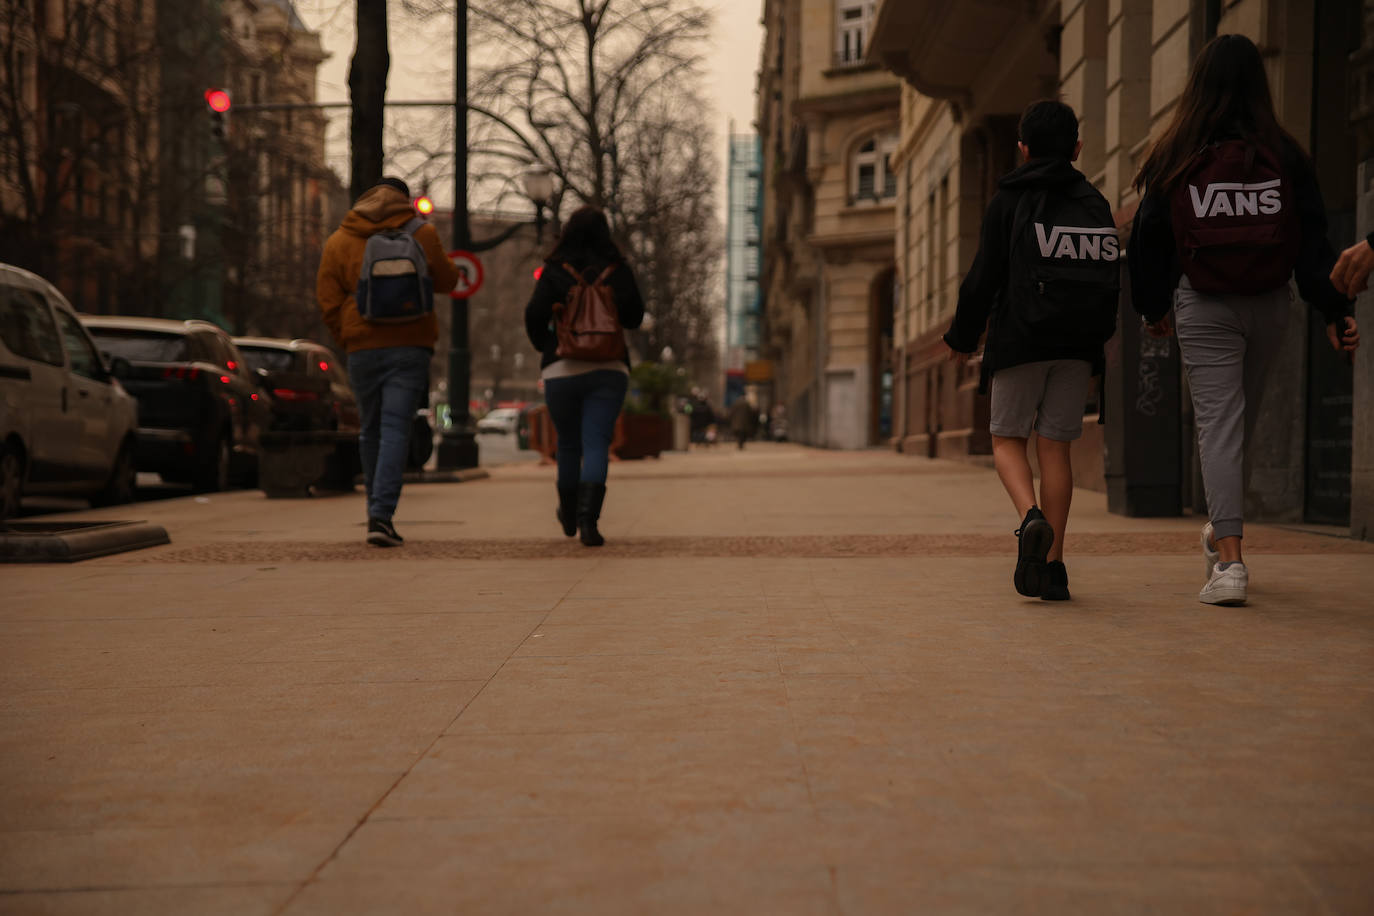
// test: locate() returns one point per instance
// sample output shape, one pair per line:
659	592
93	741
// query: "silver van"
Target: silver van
66	424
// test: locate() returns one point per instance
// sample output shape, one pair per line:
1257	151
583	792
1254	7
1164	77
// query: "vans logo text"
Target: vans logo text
1078	243
1231	198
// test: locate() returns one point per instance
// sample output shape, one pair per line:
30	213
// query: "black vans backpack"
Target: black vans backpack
1235	219
1065	267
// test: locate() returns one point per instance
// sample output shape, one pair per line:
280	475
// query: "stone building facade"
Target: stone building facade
281	200
827	119
968	70
78	147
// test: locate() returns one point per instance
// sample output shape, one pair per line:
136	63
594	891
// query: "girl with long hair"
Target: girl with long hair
1230	210
584	395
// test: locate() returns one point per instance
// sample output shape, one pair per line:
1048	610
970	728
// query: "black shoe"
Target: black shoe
1035	538
567	509
590	496
381	534
1056	582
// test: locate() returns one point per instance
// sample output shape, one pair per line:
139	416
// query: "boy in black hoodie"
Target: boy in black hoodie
1044	284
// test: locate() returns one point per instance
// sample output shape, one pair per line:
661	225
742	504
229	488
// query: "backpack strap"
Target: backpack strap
575	272
604	274
413	225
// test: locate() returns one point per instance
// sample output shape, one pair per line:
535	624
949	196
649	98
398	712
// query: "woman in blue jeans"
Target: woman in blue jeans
584	397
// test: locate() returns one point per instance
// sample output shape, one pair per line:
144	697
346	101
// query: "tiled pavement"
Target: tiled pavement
264	718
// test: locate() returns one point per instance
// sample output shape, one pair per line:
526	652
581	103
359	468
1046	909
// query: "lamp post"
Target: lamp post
458	446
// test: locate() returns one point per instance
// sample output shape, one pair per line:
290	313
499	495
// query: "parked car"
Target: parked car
201	410
66	423
309	385
502	420
310	394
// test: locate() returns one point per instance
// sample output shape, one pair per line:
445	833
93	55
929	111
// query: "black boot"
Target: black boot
567	509
589	499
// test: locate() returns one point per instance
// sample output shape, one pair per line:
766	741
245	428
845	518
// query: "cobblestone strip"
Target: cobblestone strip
1261	541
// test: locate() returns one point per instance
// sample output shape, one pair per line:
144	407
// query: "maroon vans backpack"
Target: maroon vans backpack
1235	218
588	323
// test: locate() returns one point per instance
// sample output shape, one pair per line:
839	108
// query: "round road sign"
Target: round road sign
470	274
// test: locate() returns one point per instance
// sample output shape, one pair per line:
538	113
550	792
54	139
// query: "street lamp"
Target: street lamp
458	448
538	182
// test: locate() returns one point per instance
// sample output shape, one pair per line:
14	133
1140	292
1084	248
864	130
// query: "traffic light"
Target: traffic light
219	103
423	205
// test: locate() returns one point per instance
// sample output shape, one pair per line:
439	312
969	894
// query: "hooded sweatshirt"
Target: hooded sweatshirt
382	207
984	294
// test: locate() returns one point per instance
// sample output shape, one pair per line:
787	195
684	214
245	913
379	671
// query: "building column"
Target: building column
1082	77
1127	99
1362	432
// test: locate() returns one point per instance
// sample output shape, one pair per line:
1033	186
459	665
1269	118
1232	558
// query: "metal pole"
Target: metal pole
458	448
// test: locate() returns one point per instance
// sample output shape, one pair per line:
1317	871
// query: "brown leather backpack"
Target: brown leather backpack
587	324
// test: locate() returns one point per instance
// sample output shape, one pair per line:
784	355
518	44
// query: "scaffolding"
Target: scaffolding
743	232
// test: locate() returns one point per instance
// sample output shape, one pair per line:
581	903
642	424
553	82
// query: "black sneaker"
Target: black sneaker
1035	538
1056	582
381	534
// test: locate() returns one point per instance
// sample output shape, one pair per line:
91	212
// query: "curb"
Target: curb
462	476
70	542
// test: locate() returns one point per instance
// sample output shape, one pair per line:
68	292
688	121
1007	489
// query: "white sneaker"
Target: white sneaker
1226	586
1209	551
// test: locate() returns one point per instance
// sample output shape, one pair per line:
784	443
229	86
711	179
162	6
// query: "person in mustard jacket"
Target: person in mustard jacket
388	364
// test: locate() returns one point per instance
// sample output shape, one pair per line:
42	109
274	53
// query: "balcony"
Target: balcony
942	48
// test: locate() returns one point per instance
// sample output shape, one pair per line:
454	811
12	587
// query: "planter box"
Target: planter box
640	435
291	463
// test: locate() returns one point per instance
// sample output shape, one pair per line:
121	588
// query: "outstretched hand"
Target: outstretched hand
1161	328
1351	274
1348	342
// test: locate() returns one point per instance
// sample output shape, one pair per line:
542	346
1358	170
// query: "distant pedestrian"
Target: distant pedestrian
585	298
1231	211
1045	285
744	421
376	285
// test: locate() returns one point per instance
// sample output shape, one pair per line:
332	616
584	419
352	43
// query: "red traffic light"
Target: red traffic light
424	206
218	100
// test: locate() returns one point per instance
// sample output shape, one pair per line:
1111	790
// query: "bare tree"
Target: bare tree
367	75
602	92
674	237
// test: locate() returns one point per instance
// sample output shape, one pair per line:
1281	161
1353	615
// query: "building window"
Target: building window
871	177
853	19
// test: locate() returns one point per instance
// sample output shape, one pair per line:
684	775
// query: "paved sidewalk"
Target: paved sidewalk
795	682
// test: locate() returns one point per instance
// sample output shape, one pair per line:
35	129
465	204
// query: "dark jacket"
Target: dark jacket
553	287
984	296
1152	252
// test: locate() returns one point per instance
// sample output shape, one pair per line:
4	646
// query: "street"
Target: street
794	681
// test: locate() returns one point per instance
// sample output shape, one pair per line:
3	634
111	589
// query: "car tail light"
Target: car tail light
183	373
224	379
291	394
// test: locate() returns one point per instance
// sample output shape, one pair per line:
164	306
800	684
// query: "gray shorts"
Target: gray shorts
1049	396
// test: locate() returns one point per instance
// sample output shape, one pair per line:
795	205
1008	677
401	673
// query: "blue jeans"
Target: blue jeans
584	409
389	383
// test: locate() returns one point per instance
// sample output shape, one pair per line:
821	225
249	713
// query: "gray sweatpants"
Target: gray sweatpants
1228	344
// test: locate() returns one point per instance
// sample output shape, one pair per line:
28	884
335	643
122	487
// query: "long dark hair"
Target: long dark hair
1227	92
586	237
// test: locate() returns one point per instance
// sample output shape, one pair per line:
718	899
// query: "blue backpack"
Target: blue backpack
394	285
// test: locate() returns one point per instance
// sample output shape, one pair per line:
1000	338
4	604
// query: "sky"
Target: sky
421	68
